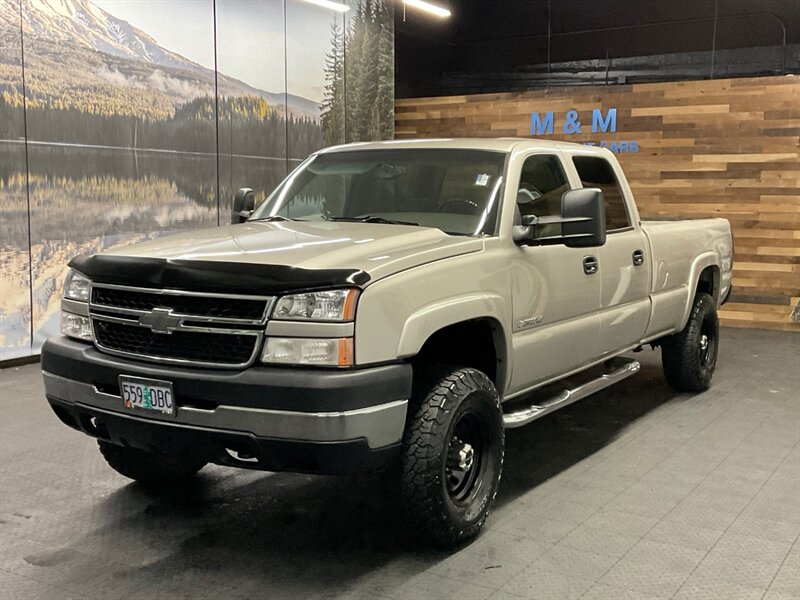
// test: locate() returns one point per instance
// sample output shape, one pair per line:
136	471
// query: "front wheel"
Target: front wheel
690	356
452	455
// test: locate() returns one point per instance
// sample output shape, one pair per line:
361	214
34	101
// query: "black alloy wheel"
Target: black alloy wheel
689	357
452	455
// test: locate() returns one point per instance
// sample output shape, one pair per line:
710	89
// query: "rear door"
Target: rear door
624	267
555	299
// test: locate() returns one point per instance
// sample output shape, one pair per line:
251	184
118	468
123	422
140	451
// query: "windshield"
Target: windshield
456	191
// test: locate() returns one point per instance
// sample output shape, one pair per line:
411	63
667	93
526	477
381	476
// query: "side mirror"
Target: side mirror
244	203
582	220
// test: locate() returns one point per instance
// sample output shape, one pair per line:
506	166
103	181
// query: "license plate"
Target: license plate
150	395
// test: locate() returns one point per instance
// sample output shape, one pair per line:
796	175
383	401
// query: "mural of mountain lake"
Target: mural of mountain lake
89	199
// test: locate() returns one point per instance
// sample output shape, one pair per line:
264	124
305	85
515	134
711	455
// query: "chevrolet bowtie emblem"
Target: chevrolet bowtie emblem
160	320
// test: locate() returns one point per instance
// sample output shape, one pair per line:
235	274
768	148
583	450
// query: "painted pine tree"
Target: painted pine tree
333	101
359	72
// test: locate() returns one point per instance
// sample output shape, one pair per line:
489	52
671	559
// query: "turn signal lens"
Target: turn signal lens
76	326
327	352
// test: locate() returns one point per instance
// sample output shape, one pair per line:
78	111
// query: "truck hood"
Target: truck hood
378	249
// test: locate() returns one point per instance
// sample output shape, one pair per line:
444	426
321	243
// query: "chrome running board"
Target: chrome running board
621	368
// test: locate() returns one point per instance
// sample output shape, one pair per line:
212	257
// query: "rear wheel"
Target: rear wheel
152	470
452	455
690	356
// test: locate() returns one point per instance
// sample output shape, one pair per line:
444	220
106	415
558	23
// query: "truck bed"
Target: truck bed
677	248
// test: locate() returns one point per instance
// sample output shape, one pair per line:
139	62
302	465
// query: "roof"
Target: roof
497	144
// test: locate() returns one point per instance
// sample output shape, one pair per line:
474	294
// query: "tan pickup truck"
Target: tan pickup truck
390	306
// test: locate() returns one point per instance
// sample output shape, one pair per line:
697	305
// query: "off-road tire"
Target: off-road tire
148	469
690	356
446	400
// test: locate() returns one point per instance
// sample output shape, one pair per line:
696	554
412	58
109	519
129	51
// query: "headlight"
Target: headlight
76	286
334	305
76	326
328	352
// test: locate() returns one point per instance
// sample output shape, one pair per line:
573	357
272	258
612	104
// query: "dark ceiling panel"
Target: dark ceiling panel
502	36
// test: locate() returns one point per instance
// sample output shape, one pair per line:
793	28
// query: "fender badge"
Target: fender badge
529	322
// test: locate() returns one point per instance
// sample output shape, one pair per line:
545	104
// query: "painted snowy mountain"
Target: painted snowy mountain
65	25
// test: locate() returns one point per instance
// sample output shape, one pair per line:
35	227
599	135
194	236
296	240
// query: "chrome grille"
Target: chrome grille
190	328
225	308
228	349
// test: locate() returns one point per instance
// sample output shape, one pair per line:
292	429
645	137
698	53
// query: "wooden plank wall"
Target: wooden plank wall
723	148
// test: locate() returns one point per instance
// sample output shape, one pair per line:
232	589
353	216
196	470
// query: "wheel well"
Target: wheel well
477	343
708	282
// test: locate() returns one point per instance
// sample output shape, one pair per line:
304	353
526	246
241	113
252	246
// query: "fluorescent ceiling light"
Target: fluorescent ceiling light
428	7
330	4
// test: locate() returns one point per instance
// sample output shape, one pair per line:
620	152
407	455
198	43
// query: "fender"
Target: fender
429	319
707	259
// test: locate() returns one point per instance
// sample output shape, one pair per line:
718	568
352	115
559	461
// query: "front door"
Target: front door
555	290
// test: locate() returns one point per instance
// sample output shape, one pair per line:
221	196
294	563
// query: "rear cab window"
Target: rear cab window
596	172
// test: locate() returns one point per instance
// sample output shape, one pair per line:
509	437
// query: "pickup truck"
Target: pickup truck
390	306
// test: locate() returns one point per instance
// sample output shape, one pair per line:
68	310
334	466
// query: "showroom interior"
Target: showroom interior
126	122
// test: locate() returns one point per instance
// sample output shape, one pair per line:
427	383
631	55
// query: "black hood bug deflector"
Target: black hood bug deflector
213	276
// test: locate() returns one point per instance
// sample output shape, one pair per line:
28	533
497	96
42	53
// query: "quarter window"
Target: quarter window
597	173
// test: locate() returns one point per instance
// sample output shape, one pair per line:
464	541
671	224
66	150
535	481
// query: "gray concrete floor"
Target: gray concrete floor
637	492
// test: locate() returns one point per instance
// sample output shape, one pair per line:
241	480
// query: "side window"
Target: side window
597	173
541	185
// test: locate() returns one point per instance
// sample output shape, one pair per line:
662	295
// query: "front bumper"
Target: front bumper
268	418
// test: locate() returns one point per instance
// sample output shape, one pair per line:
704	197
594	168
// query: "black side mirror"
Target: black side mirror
582	220
244	203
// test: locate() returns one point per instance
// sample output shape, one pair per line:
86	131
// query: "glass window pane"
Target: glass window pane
251	98
15	302
541	185
597	173
122	144
314	67
453	190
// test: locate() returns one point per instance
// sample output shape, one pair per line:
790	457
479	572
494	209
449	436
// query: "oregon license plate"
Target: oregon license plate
151	395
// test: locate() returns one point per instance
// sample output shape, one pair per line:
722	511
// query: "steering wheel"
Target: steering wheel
462	201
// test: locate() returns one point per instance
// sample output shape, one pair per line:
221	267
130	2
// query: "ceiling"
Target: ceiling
483	38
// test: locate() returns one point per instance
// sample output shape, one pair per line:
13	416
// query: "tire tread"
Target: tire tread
682	372
428	416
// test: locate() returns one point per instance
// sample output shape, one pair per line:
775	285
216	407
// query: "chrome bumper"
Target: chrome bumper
380	425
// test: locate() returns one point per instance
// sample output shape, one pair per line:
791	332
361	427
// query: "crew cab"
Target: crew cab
390	306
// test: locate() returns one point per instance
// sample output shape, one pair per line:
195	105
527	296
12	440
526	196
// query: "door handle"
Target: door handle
590	265
638	258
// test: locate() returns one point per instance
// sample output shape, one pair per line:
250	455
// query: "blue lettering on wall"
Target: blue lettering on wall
603	122
609	123
631	147
570	124
539	127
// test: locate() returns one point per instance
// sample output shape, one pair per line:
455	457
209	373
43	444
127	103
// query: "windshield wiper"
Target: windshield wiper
274	218
371	219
